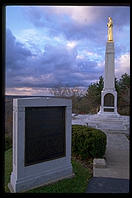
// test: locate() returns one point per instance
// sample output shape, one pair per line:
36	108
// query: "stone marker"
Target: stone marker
41	142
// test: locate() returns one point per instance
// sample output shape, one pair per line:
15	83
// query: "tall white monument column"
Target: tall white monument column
109	94
108	119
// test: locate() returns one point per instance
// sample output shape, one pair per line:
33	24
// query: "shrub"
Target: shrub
8	142
88	142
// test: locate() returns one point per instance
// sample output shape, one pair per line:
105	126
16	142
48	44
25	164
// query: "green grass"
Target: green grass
77	184
8	167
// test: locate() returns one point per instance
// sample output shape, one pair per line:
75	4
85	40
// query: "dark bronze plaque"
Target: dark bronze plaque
108	110
109	100
44	134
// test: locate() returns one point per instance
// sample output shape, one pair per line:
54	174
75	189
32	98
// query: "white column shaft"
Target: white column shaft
109	76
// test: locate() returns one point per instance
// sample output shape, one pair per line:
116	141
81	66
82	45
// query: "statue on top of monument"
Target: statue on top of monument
110	32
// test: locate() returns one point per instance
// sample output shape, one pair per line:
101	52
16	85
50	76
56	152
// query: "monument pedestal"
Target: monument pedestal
108	103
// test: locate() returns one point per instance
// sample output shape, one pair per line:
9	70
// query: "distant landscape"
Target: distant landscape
82	103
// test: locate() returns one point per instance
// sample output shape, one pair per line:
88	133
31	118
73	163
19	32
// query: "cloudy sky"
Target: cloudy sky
49	46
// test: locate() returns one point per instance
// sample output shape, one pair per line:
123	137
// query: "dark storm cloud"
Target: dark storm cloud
57	65
16	53
57	23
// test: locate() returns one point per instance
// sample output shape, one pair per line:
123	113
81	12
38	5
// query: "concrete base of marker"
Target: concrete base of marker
99	163
41	180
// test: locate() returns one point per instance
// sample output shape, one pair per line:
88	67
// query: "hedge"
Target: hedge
88	142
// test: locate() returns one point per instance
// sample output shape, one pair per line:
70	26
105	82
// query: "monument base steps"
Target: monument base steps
108	122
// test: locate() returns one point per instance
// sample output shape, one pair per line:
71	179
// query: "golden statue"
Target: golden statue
110	27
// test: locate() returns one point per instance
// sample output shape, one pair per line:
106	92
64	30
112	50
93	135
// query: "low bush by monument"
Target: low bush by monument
88	142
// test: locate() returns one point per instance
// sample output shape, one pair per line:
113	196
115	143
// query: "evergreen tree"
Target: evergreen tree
94	94
124	94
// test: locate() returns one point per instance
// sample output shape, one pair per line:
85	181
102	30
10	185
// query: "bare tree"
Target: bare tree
66	91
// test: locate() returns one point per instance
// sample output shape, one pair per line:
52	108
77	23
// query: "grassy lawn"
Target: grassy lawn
8	167
77	184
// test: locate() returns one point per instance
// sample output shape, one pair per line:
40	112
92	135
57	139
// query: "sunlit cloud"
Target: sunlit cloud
83	15
29	91
19	91
122	65
71	44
